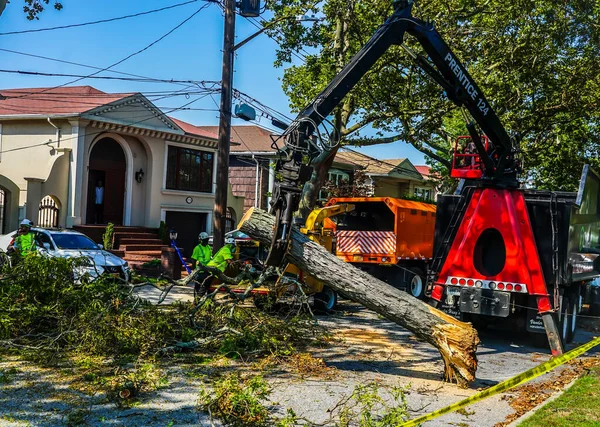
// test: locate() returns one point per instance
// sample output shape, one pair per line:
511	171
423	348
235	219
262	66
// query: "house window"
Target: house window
423	193
337	179
189	170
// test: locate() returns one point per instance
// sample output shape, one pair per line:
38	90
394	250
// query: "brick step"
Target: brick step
141	247
136	235
137	263
118	228
142	241
140	257
155	253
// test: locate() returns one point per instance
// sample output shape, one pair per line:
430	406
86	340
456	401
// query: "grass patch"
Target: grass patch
578	406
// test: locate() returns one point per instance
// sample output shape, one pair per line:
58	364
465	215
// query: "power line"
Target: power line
135	53
101	21
150	79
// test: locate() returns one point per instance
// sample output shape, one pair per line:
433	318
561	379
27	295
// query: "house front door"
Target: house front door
108	166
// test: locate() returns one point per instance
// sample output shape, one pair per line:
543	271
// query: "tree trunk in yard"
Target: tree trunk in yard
456	341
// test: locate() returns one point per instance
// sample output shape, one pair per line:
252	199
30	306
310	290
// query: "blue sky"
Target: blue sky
193	52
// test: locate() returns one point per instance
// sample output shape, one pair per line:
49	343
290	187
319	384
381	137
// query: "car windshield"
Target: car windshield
73	241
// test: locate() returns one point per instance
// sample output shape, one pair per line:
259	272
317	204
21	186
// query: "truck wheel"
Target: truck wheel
326	300
416	286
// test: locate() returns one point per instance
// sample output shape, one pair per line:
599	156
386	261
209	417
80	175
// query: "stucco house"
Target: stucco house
57	143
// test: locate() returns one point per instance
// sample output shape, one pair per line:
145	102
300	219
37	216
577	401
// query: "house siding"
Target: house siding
242	177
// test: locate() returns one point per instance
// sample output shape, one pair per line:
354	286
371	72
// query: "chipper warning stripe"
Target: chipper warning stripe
508	384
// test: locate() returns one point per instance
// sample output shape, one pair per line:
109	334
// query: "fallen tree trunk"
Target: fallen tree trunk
456	341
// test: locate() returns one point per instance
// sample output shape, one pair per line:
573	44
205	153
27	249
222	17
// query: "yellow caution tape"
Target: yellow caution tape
508	384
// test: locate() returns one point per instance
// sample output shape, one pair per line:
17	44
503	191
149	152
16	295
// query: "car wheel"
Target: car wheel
326	300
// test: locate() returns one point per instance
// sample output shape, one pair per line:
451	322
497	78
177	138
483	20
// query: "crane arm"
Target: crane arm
302	146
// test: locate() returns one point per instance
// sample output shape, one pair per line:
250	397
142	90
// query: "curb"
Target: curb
533	410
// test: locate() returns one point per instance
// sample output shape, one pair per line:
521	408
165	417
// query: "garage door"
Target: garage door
188	225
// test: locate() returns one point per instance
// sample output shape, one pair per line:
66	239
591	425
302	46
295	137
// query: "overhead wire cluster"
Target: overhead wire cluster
192	90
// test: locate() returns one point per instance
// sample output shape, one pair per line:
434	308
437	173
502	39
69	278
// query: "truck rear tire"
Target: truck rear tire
326	300
416	285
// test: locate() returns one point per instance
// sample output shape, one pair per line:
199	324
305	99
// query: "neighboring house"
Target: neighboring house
251	177
388	177
250	174
431	190
57	143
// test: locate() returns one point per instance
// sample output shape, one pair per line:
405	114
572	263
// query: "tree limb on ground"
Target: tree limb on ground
456	341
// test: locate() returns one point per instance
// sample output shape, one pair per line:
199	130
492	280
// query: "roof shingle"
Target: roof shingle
249	138
71	100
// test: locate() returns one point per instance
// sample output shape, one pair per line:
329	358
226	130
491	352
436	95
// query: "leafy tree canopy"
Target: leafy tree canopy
33	8
536	60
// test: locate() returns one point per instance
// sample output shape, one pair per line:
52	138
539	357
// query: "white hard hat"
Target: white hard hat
27	223
203	235
230	241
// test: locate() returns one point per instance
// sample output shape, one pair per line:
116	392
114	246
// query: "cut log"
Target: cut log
456	341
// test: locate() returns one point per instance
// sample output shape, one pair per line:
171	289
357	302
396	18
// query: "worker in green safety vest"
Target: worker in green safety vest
220	260
202	252
25	240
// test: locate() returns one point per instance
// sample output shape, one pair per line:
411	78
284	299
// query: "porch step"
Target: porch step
139	241
142	247
136	235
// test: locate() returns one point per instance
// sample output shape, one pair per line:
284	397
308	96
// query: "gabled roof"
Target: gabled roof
191	129
424	170
249	138
394	168
95	105
370	164
62	101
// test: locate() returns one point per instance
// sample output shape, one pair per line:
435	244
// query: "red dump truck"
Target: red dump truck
513	256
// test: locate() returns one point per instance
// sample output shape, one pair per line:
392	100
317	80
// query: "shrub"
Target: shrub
107	237
162	232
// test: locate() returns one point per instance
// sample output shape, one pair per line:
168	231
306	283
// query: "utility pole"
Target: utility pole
224	127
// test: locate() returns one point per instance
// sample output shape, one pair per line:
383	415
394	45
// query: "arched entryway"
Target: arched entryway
3	203
9	205
107	166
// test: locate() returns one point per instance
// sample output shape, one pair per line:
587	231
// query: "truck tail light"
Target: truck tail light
487	284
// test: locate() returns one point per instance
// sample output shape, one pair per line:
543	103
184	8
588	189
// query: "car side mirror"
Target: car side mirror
101	246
